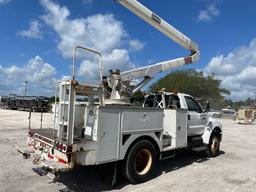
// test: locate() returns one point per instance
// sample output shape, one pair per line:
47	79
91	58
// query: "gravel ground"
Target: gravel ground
233	170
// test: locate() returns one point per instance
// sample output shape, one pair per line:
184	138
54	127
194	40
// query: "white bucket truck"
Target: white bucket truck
110	129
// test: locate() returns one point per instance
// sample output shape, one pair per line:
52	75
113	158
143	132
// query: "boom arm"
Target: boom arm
161	25
148	72
151	70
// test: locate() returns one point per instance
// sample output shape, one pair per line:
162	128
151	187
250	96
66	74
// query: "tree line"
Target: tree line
201	86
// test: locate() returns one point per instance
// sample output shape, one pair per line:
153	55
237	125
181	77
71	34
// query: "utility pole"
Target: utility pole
25	84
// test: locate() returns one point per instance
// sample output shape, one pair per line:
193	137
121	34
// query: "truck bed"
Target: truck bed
48	133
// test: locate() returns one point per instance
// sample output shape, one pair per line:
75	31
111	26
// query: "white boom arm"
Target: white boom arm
166	29
148	72
151	70
154	20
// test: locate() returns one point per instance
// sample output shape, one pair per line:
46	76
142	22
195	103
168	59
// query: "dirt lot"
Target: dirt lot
233	170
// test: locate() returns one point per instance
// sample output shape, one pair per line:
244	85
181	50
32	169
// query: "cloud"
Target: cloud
39	74
102	32
209	13
33	31
136	45
237	70
4	1
117	59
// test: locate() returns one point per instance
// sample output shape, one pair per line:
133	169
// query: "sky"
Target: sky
37	39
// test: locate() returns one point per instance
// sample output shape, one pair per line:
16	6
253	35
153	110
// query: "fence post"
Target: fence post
29	120
41	125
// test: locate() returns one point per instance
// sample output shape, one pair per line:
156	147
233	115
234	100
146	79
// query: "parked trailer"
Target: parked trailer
3	100
245	116
32	103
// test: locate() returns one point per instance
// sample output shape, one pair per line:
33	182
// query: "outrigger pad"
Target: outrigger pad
66	190
40	171
25	151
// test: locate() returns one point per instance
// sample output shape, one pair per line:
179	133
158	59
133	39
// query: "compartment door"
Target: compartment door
109	131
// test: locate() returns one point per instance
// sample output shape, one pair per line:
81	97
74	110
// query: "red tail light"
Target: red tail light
60	147
50	156
62	161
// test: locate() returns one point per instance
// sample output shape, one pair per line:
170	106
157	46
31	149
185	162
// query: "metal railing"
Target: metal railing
89	50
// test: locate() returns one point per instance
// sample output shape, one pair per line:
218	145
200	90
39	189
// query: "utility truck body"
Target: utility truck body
109	133
110	129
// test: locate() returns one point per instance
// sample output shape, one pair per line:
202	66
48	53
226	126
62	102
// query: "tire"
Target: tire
214	145
141	162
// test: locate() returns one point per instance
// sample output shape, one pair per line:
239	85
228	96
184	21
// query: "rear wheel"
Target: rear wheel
214	145
141	162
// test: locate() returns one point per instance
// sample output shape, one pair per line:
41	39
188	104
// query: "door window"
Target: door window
154	101
193	105
172	101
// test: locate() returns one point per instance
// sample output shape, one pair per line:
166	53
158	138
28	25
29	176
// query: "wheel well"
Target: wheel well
145	137
217	131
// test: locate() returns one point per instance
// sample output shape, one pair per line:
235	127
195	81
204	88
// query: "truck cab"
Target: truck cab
197	118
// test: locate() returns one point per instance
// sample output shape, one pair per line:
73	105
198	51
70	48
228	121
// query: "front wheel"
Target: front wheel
214	145
141	162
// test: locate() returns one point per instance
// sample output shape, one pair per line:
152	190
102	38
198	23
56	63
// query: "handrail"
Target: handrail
90	50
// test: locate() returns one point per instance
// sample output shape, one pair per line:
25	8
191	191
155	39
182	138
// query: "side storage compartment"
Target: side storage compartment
142	120
119	126
108	134
175	129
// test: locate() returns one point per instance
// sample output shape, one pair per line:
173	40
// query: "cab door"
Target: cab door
197	119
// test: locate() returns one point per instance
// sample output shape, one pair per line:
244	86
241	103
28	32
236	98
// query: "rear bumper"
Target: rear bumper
45	155
54	166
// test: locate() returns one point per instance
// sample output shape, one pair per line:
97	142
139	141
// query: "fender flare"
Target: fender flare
124	149
212	127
